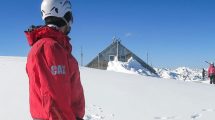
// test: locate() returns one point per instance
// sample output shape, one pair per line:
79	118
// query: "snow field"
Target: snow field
114	96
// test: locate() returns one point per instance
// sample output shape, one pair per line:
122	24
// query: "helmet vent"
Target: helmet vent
54	8
67	2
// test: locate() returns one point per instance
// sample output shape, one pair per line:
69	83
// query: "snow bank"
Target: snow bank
130	67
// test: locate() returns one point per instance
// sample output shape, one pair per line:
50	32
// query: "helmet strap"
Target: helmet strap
54	26
68	25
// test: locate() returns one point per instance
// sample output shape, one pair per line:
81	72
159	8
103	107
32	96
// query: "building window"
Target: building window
122	58
111	57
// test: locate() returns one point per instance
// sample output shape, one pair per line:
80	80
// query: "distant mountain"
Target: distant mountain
181	73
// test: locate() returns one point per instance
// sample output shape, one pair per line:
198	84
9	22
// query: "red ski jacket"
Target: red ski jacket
56	92
211	70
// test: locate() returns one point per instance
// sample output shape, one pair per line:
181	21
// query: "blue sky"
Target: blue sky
173	32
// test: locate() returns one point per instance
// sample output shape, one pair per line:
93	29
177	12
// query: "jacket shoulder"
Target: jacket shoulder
43	45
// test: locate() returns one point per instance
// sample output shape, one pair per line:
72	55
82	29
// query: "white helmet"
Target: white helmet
56	8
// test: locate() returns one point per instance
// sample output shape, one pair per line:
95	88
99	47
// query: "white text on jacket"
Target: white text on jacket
58	70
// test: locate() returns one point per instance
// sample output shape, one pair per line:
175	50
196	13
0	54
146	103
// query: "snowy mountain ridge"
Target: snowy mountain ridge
181	73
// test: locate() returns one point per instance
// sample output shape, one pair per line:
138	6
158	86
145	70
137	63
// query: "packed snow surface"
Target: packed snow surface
114	96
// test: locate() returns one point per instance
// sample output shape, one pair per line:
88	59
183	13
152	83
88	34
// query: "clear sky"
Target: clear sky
173	32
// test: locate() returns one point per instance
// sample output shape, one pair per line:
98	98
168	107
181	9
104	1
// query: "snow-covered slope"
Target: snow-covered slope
131	97
114	96
13	89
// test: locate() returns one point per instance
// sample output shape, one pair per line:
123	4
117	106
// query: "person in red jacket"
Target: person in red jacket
211	73
56	92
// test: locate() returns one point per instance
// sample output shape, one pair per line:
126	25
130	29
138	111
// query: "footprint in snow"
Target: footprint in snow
208	110
165	118
94	112
93	117
196	116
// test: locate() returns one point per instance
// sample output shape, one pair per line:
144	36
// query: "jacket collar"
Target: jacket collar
36	33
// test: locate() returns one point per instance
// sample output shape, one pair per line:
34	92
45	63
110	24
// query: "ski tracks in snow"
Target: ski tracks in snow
195	116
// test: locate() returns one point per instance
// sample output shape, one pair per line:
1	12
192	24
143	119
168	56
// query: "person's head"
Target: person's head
212	64
58	13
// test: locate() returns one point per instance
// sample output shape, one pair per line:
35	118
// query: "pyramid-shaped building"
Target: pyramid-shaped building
116	49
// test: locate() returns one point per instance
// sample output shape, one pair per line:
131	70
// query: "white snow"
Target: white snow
133	67
182	73
114	96
130	67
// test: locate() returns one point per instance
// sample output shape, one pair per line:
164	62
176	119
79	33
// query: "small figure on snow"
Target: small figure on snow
55	89
203	74
211	73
